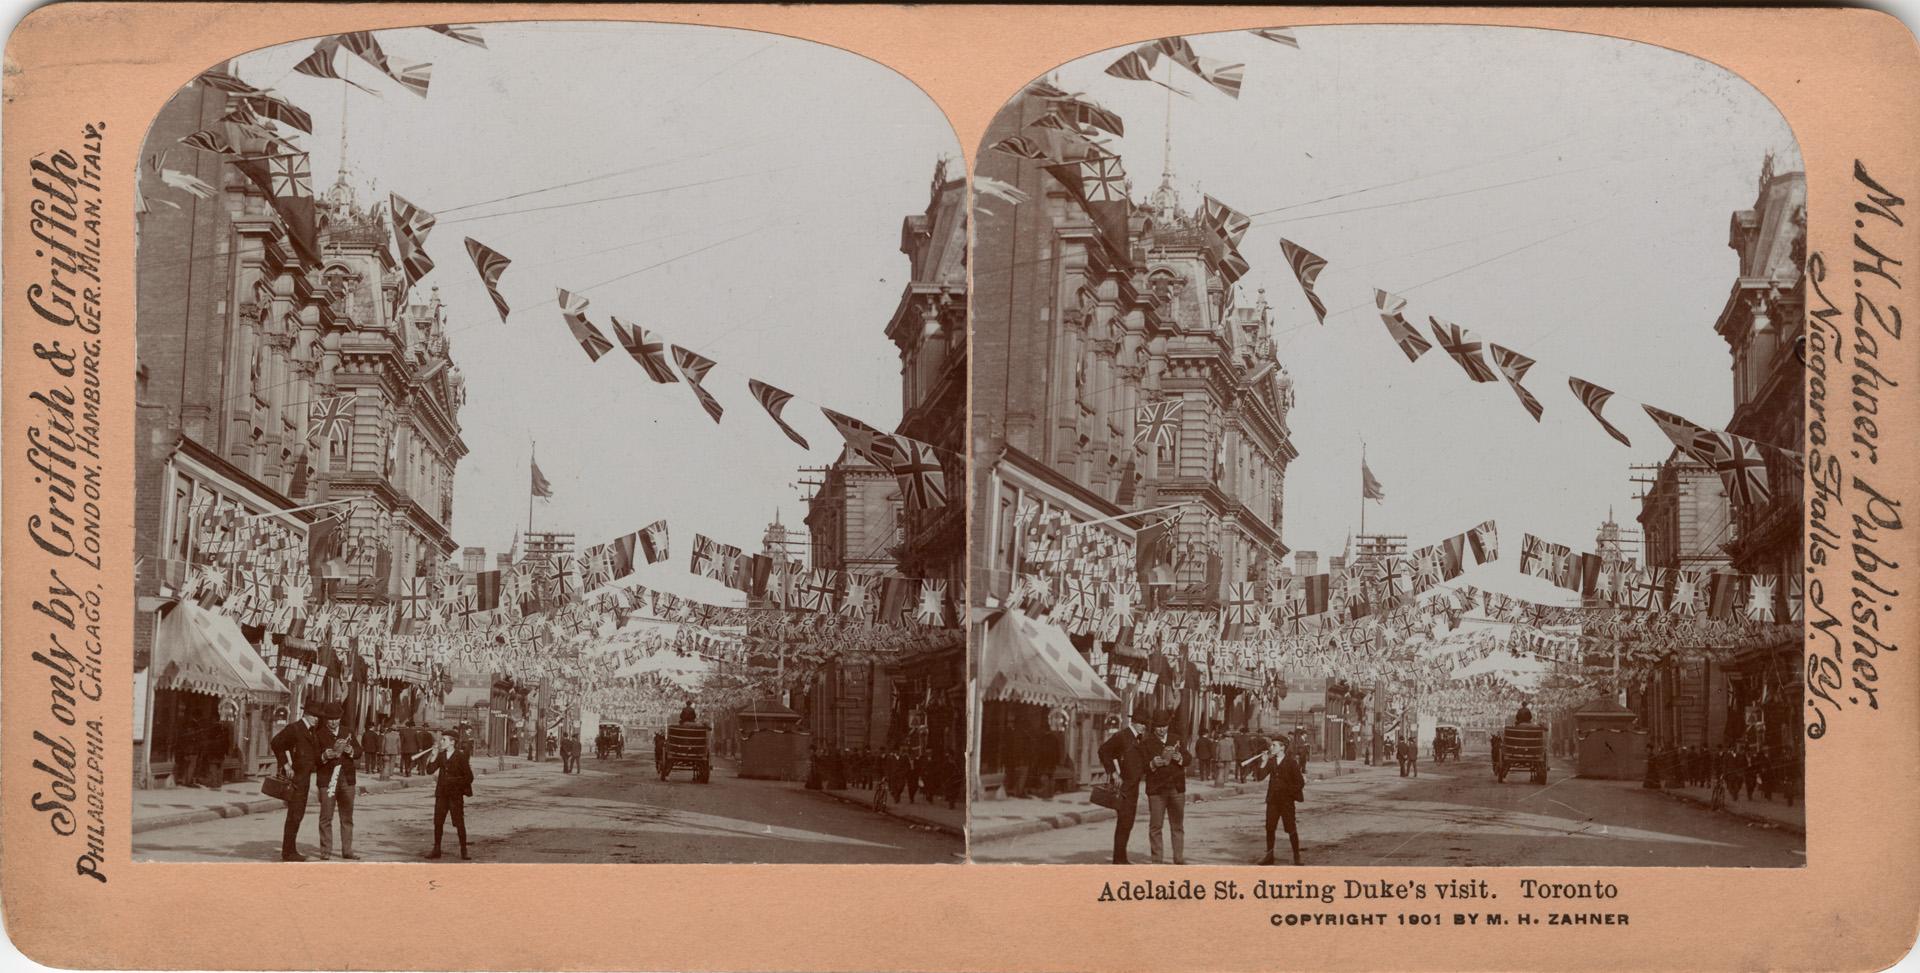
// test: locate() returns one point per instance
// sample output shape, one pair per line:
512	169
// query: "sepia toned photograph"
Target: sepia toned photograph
526	476
1388	451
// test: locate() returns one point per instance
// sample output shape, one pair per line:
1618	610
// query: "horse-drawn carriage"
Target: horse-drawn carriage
684	746
1446	743
610	742
1522	746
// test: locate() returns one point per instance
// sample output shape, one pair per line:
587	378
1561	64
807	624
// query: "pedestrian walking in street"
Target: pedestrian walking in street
1203	754
337	779
298	758
1125	762
1166	789
1242	750
410	744
450	791
1286	786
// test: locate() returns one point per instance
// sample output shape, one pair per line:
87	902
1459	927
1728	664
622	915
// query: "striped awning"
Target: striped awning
201	651
1026	660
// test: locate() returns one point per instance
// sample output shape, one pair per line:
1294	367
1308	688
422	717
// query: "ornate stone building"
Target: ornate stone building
1763	320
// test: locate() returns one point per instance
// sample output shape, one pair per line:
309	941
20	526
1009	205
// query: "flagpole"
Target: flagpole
1363	488
531	460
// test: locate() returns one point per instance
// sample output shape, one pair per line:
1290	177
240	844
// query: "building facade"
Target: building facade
244	325
1075	329
854	524
1763	320
1684	521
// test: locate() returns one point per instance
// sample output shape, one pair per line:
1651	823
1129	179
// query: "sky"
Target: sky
764	181
1565	195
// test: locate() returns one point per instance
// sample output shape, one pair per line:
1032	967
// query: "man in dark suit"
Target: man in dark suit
1167	760
1126	766
1285	785
298	756
450	791
337	779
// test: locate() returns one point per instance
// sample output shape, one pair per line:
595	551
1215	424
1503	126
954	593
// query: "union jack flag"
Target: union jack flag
1158	422
573	308
1462	347
1514	366
1103	180
1697	442
1742	469
491	264
1230	223
695	367
330	417
1306	268
922	482
1595	398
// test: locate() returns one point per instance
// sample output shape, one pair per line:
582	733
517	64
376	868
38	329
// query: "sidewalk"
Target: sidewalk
1774	813
171	807
952	821
1013	817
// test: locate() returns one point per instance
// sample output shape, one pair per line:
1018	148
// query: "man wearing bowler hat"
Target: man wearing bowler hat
337	778
1126	765
1167	760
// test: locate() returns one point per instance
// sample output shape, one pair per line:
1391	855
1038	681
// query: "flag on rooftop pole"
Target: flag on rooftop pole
1370	488
541	488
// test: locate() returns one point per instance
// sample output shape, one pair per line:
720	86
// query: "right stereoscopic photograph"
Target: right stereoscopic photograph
1387	450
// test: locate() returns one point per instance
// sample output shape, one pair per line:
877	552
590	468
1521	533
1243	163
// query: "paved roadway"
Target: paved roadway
1452	814
613	811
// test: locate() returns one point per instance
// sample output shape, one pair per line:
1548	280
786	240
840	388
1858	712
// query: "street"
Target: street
1452	814
614	811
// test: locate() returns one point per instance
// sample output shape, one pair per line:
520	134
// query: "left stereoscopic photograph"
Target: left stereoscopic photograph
549	448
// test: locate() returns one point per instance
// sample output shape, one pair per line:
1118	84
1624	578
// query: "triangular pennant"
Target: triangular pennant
695	367
1402	332
573	307
491	264
1595	398
1306	268
774	400
648	350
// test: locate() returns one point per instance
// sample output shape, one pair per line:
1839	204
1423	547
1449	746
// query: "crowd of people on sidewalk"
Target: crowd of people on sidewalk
1739	769
315	753
894	775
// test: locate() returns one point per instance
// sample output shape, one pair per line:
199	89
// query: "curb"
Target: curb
940	826
1091	813
269	805
1731	811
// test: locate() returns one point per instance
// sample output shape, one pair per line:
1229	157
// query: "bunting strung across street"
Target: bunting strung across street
1158	422
209	141
774	400
1403	333
1595	398
573	307
1462	347
649	350
1225	78
695	368
415	78
491	264
1514	366
1306	268
288	183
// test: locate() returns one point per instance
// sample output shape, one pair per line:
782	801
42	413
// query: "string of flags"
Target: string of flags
1746	467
